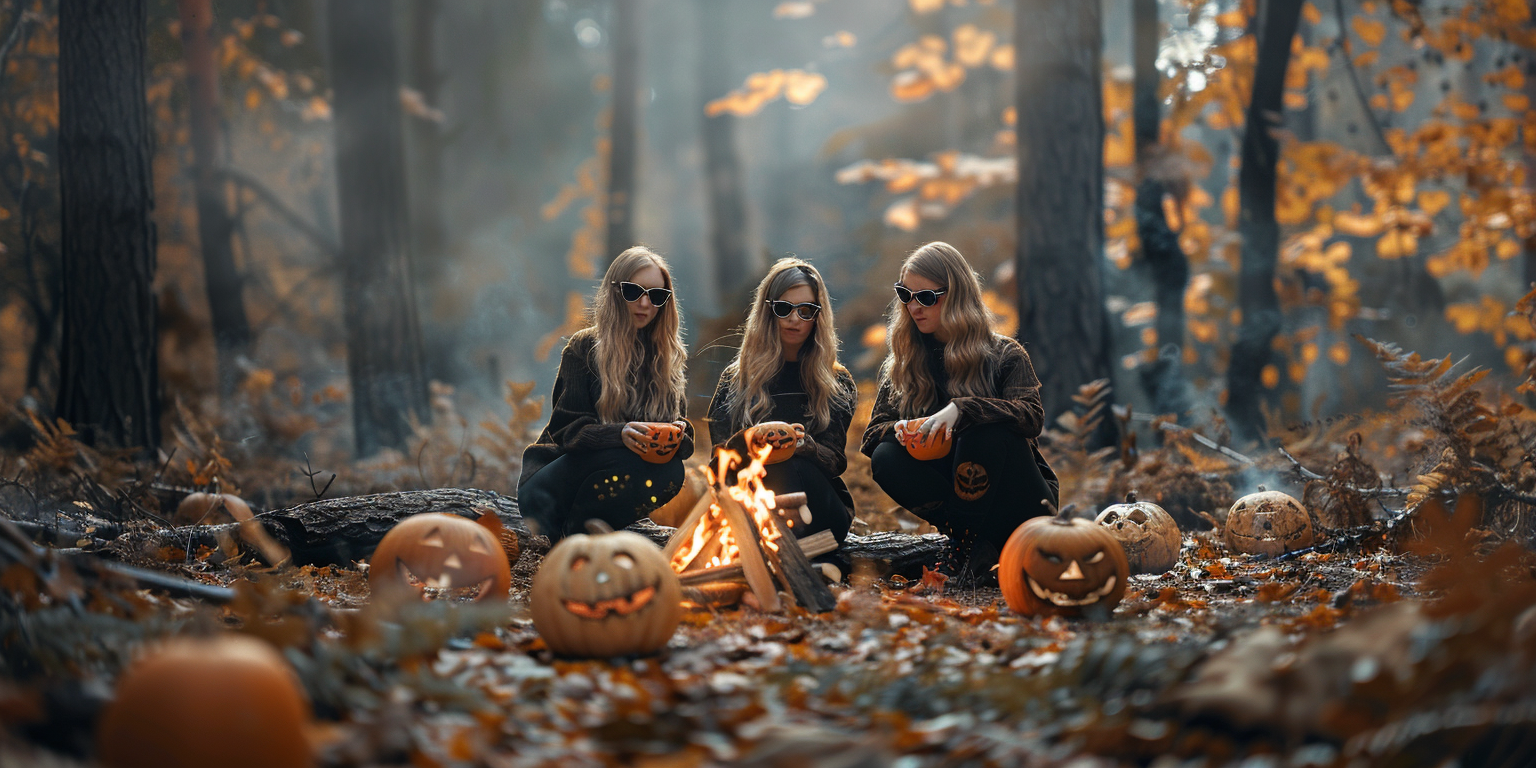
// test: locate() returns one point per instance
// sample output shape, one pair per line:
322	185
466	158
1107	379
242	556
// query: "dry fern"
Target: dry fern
502	443
1083	473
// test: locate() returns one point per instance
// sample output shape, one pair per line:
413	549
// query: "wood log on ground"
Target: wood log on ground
796	573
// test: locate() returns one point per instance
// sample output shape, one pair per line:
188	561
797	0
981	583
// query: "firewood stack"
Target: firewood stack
722	550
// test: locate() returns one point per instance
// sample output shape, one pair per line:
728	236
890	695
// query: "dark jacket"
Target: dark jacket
824	447
1017	403
573	421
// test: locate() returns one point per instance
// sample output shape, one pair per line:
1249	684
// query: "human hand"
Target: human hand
635	435
943	420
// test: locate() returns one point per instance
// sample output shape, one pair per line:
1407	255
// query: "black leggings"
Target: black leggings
612	484
798	474
986	486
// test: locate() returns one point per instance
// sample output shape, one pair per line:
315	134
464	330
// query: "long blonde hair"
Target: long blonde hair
641	370
762	353
965	318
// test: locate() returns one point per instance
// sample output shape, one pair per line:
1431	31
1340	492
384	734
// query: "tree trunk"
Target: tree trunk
624	132
1163	379
722	169
109	386
1257	299
383	338
215	227
427	220
1060	216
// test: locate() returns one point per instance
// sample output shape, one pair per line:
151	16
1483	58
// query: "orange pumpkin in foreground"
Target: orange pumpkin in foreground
607	594
1062	566
661	442
230	700
442	552
935	446
782	437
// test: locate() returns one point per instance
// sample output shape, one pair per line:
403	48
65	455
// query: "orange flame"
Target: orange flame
750	493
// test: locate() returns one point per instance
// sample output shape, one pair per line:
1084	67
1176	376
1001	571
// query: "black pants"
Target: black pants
613	484
798	474
986	486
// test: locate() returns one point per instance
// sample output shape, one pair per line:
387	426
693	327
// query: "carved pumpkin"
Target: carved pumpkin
1267	523
190	703
971	481
1146	532
661	442
1062	566
784	438
605	594
935	446
211	509
443	553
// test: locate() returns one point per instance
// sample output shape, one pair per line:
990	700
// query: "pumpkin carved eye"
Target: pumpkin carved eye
624	561
1051	557
578	563
1097	556
433	539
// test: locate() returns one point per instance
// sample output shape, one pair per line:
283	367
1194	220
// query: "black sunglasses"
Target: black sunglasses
925	298
806	310
633	292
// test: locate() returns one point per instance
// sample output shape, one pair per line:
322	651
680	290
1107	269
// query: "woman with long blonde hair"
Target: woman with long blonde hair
787	371
617	432
970	386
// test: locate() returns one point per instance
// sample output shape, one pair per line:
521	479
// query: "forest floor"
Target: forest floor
1407	637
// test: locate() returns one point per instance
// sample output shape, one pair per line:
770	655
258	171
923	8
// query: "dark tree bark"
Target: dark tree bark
427	220
1163	379
1060	215
624	132
109	386
1276	23
722	169
215	227
384	356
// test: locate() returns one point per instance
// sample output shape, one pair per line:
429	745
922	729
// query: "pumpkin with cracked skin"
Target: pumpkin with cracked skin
1062	566
605	594
935	446
661	441
194	702
443	553
1267	523
782	437
1146	532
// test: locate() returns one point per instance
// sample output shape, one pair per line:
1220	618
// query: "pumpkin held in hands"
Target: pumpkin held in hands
1062	566
440	552
1267	523
661	441
934	446
783	438
605	594
1146	532
190	703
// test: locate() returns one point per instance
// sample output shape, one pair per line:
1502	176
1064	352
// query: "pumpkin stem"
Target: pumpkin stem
1262	488
598	527
1064	517
1130	497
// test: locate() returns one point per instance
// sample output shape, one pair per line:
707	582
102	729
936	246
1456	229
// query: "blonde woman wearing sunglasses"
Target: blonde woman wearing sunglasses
975	387
787	370
617	376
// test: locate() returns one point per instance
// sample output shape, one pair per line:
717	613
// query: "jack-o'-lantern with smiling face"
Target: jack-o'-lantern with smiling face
661	441
1062	566
1267	523
909	434
605	594
439	554
783	438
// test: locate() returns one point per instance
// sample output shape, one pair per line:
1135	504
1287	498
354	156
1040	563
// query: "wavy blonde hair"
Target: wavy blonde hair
963	315
642	371
762	353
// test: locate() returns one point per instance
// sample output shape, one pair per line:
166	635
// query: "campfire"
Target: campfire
740	538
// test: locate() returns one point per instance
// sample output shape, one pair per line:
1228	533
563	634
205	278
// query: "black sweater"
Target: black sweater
573	421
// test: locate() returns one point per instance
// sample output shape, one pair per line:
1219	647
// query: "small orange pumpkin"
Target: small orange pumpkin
211	509
782	437
441	552
1267	523
605	594
661	442
1062	565
188	703
935	446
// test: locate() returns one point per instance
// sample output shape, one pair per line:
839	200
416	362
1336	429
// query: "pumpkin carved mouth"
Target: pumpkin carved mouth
443	586
1065	600
622	606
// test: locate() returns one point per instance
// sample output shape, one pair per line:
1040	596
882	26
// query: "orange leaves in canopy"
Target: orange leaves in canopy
935	187
797	86
1490	316
1371	31
924	69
